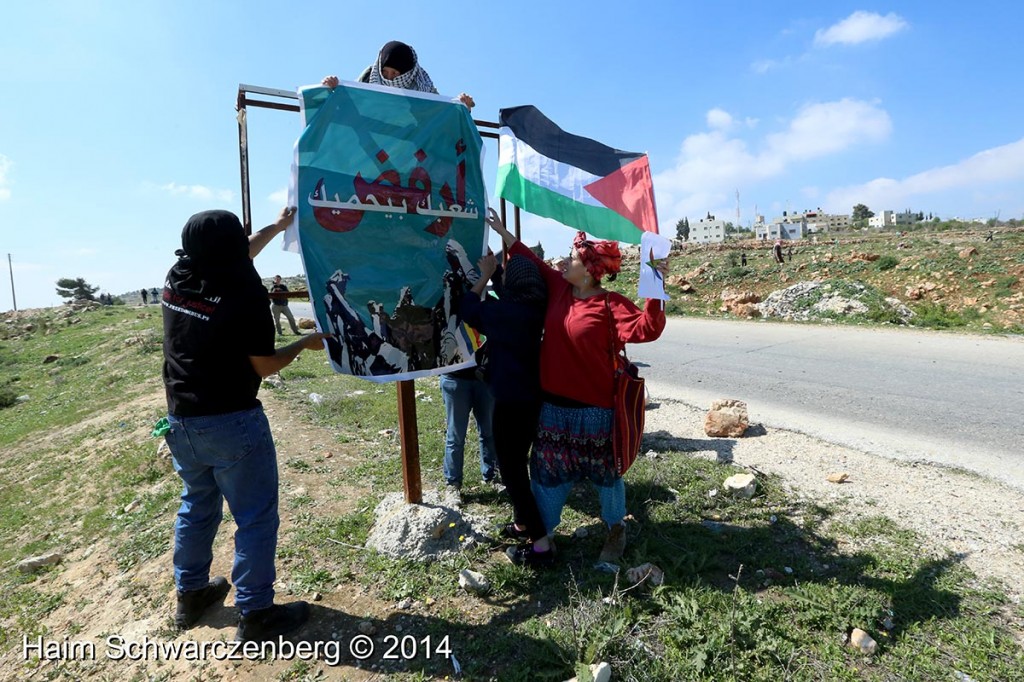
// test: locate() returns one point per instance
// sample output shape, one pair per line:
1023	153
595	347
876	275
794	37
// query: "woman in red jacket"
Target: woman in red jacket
585	326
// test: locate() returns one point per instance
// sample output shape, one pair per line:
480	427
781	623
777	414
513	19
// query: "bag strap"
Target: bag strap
611	335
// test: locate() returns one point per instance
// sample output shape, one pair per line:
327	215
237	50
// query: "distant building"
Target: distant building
707	231
780	230
891	219
817	220
882	219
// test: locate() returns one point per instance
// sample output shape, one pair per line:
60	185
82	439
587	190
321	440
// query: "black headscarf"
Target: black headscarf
214	257
401	57
523	282
398	56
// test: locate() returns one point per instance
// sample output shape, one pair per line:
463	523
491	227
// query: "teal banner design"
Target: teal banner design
391	205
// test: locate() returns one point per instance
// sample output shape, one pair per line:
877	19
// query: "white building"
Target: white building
707	231
891	218
883	219
780	230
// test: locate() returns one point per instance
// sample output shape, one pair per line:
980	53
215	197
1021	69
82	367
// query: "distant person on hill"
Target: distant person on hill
777	251
279	306
145	295
154	295
398	67
988	237
743	259
218	345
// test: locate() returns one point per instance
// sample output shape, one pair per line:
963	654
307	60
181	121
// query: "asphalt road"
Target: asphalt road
951	399
946	398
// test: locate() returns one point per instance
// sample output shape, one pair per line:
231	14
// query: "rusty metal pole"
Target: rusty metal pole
243	158
408	434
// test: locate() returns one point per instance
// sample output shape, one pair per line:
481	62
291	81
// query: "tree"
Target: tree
862	212
76	289
683	229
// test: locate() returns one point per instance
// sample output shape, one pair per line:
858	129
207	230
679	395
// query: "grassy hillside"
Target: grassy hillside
764	589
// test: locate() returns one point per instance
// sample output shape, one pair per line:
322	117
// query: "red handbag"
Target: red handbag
628	405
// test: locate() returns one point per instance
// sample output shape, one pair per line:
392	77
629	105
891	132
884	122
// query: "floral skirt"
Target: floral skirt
573	444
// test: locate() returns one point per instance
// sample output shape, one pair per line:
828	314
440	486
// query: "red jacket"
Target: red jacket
576	354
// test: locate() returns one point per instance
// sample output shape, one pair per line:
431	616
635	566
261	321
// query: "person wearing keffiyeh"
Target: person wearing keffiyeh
397	66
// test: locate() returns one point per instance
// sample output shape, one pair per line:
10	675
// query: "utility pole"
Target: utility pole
11	270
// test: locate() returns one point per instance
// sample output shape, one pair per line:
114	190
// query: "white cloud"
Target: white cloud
280	197
5	167
719	119
198	192
828	127
983	170
860	27
712	165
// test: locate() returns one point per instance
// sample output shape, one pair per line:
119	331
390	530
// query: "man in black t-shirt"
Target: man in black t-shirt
279	306
218	345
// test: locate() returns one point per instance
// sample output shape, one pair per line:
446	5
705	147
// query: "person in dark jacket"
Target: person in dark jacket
513	323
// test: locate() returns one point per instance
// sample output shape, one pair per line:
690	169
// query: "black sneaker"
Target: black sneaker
525	556
510	532
193	603
272	622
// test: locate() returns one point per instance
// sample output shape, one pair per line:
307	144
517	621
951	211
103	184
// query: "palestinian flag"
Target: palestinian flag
575	180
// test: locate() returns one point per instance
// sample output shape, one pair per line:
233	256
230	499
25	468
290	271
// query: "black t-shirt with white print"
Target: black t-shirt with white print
207	344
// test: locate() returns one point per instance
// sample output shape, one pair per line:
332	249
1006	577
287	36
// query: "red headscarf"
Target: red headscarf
599	257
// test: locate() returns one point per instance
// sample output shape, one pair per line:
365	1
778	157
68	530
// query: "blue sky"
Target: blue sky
117	118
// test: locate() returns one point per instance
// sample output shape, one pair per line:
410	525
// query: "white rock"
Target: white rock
863	641
316	398
35	563
601	672
474	582
741	485
647	571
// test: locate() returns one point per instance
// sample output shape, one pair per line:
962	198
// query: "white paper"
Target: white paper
653	248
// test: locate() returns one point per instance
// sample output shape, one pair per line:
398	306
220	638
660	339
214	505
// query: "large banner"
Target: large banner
391	202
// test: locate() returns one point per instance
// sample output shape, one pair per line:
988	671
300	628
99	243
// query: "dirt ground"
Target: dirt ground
972	517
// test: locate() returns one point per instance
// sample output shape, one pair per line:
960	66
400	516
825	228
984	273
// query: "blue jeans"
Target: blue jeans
226	456
461	396
551	501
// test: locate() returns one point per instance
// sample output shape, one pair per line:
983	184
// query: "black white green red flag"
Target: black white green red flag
575	180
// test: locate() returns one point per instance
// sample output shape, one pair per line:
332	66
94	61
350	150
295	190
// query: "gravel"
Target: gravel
953	511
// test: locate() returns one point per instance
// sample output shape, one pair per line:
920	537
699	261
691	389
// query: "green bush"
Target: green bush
887	263
8	396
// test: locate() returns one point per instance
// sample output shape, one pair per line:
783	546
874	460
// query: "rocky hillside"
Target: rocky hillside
939	280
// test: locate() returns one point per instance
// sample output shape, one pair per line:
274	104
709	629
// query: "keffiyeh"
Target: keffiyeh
403	58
